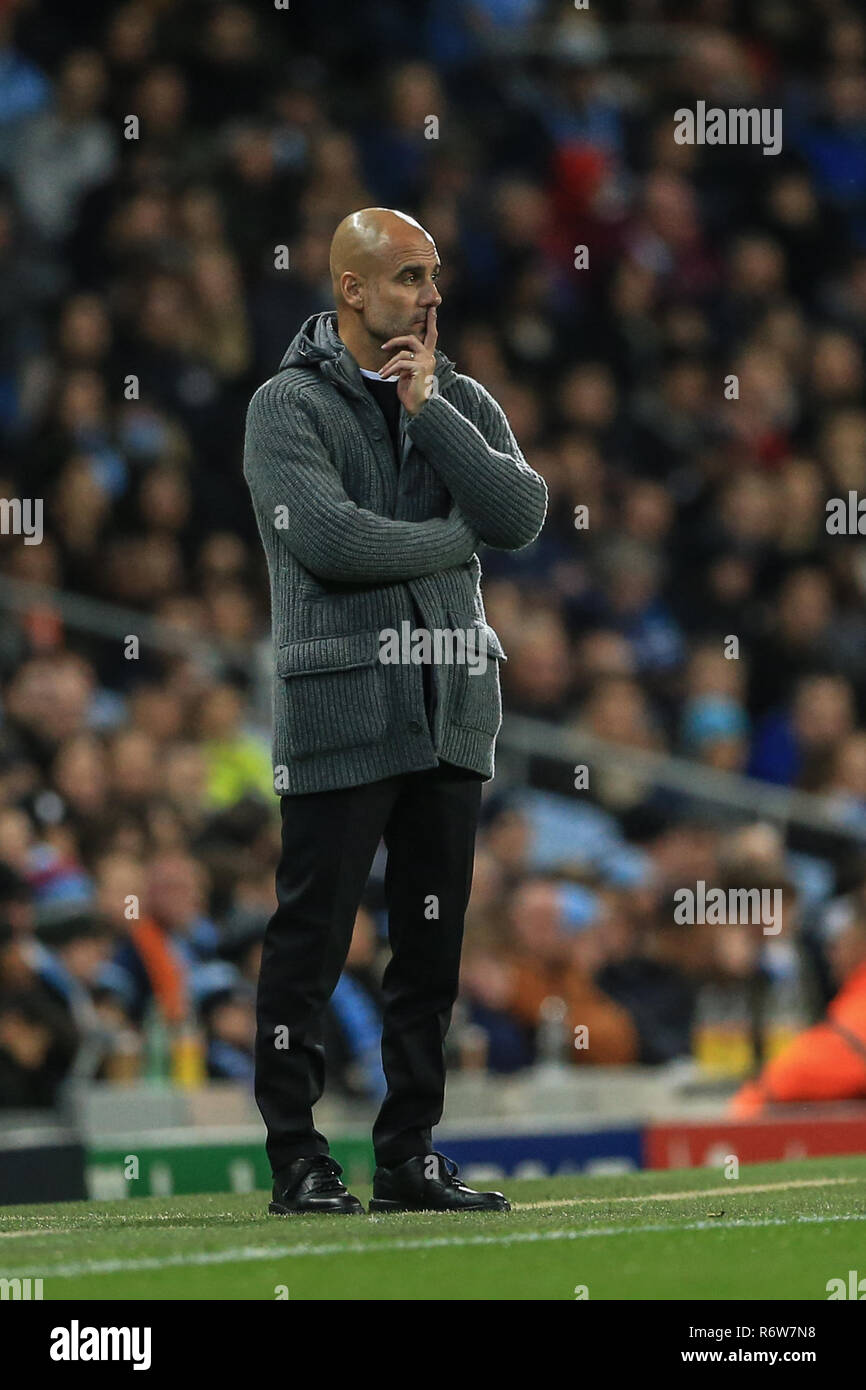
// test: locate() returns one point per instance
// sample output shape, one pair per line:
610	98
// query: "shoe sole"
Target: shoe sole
380	1205
276	1209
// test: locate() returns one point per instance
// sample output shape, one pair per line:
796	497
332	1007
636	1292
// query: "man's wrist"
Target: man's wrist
417	411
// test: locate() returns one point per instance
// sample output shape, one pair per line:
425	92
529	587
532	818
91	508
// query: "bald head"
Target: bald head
365	240
384	268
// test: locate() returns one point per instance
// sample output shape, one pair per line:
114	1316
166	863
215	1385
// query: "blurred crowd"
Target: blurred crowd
170	178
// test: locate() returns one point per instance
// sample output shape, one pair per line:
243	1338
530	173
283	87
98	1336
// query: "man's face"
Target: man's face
85	954
847	951
174	894
398	294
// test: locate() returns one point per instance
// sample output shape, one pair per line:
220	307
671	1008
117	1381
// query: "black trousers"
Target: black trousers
329	839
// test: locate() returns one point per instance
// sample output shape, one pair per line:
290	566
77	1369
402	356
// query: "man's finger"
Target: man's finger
432	334
403	356
409	340
406	355
398	358
400	364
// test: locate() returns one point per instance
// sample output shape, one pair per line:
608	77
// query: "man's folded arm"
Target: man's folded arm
286	466
483	469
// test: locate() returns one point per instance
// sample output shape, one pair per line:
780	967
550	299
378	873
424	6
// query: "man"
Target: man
826	1062
375	470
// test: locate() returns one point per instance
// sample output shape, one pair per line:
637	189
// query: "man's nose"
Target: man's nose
432	298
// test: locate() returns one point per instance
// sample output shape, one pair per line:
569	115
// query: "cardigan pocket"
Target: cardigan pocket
477	698
334	694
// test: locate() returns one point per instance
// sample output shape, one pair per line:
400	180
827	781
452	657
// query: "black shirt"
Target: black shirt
384	393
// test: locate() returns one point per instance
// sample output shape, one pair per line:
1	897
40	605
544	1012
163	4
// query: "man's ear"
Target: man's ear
352	286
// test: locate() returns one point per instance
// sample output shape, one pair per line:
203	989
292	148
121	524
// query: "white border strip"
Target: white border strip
243	1254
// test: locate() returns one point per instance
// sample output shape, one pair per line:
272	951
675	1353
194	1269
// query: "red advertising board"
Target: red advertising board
755	1141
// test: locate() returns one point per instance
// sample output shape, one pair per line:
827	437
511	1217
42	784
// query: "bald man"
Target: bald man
375	471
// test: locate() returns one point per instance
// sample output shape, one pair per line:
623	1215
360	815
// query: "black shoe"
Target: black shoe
312	1185
429	1182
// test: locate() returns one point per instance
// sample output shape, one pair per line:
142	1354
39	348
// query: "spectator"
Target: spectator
826	1061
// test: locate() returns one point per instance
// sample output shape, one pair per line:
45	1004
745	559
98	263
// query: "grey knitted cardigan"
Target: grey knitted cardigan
350	541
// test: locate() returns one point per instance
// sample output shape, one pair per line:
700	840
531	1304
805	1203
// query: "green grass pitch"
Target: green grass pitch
780	1231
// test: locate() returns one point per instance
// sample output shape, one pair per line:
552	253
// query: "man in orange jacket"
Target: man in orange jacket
827	1061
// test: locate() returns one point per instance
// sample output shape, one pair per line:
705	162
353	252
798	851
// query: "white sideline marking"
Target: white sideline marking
732	1187
278	1252
39	1231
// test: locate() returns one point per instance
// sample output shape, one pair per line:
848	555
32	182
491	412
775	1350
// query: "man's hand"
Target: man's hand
415	364
26	1042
